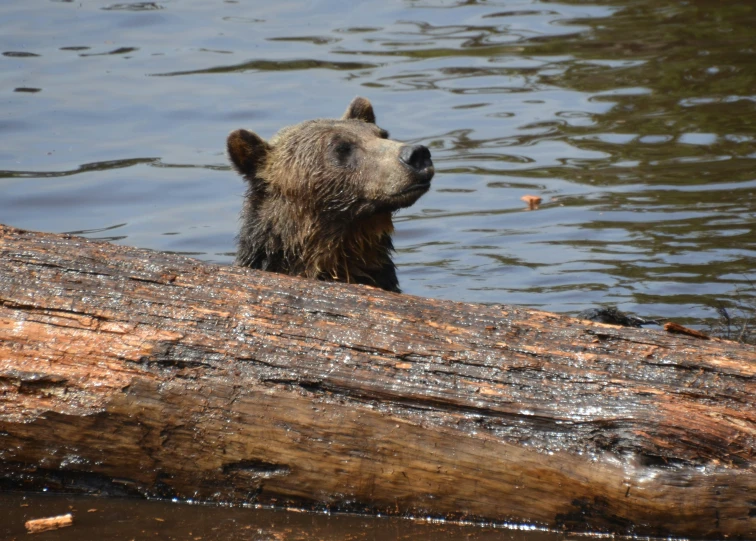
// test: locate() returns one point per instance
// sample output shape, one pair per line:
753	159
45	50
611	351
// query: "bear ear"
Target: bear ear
360	109
247	151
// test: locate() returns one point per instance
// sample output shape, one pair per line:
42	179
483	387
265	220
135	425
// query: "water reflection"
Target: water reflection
268	65
634	121
128	519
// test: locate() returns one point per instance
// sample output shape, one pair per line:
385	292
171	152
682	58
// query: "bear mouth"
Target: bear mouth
419	187
408	195
422	180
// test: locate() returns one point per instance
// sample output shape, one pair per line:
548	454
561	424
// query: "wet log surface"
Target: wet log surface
129	371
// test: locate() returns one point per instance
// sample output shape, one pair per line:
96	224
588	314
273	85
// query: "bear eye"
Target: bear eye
343	151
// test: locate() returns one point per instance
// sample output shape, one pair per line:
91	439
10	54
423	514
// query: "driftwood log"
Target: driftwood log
126	370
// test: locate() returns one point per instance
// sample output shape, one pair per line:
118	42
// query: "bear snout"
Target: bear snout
417	158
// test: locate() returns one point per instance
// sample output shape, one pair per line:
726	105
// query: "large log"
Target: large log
155	374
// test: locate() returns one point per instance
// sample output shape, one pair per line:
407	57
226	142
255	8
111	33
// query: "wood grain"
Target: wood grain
129	371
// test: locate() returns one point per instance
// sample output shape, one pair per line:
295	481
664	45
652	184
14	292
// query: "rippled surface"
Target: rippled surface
634	121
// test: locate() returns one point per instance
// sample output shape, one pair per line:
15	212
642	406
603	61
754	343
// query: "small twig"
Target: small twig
50	523
671	326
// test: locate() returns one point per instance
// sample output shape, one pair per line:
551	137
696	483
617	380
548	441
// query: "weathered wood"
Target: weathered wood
39	525
162	375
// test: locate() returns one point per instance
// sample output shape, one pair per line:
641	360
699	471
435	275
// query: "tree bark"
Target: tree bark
149	373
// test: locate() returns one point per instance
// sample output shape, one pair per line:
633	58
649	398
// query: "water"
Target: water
131	520
635	121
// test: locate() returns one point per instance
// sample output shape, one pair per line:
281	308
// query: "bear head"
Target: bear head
321	194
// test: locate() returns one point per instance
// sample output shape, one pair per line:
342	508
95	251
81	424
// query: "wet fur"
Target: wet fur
316	211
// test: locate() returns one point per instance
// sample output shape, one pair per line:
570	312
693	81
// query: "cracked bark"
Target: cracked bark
129	371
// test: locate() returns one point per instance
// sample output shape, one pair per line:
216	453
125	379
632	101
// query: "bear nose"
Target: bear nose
417	157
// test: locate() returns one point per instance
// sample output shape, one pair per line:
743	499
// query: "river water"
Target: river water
633	120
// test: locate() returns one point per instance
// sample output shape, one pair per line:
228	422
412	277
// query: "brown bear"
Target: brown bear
320	197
